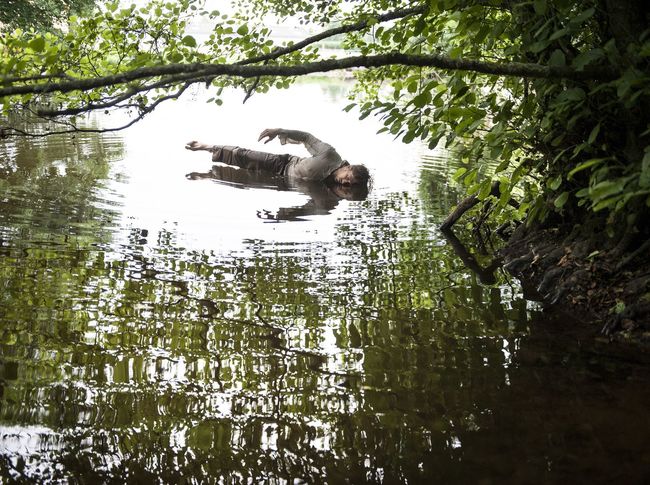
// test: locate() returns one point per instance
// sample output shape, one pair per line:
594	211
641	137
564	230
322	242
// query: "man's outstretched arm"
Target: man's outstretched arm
196	146
312	144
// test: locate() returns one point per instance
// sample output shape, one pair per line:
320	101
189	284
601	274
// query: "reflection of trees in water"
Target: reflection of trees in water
269	364
53	181
375	354
49	222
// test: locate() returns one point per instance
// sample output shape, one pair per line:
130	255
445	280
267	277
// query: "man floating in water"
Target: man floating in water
325	164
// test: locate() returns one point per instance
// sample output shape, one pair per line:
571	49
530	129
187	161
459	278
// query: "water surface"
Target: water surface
163	328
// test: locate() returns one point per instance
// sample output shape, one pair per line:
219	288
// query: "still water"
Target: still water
222	326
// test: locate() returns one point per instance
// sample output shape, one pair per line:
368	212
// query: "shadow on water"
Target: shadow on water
364	352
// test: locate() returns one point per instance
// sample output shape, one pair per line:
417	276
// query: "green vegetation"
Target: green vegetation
556	92
42	14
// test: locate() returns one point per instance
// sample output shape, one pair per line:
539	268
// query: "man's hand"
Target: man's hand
271	133
196	146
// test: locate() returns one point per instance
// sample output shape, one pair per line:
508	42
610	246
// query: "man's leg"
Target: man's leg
250	159
241	157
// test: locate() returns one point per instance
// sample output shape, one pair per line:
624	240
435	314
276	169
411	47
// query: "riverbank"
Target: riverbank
597	279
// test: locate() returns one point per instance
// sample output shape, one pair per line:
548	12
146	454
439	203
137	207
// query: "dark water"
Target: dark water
224	327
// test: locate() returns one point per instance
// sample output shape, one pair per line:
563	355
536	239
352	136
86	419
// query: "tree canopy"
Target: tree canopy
552	94
44	14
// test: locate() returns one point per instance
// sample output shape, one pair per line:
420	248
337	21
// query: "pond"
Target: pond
228	327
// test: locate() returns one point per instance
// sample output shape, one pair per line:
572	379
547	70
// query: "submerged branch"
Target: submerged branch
469	202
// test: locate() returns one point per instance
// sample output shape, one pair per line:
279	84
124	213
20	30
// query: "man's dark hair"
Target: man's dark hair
350	192
361	174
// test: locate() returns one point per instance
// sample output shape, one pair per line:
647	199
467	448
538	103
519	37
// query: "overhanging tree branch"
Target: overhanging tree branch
197	72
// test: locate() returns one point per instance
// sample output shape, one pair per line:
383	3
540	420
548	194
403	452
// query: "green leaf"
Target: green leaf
408	138
558	33
585	58
585	165
619	307
496	151
582	16
593	134
644	179
175	57
543	27
538	46
422	99
606	189
502	166
555	183
540	6
561	200
557	59
604	204
189	41
37	44
243	29
486	188
372	21
573	94
459	173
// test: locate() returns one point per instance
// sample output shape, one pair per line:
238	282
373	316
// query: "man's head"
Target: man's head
351	175
350	192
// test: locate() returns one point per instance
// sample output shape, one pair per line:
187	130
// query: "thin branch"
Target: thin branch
8	131
251	89
344	29
280	51
132	91
90	106
168	81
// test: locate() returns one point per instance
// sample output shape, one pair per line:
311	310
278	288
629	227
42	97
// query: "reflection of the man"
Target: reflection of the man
323	197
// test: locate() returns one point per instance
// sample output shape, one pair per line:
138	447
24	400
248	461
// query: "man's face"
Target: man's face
345	176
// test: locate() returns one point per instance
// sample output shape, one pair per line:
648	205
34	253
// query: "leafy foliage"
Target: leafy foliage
44	14
552	97
583	140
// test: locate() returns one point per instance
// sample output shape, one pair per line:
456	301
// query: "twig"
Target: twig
7	131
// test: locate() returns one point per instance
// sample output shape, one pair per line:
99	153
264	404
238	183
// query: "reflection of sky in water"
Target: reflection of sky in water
208	215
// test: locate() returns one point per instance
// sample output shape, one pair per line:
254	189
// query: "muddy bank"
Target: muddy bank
598	279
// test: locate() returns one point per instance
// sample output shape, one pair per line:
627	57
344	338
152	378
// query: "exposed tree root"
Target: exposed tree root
580	270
